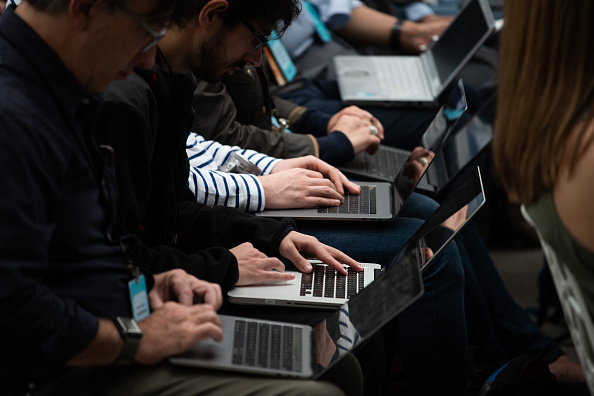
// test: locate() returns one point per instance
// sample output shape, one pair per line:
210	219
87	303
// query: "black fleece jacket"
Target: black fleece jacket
146	120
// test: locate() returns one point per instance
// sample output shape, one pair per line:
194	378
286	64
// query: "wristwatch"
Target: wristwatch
395	43
131	334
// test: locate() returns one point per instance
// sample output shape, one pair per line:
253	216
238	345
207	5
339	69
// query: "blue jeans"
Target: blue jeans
431	333
493	318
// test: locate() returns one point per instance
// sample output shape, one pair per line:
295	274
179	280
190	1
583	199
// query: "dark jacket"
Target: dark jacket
146	120
245	122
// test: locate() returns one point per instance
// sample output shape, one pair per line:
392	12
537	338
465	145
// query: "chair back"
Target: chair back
575	310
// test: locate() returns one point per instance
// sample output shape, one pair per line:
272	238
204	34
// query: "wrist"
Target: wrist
396	36
131	334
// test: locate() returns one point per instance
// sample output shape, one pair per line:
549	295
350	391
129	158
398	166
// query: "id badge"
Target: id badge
139	298
321	29
282	57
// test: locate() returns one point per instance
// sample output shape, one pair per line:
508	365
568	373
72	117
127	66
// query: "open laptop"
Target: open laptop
461	150
385	164
285	349
323	287
380	200
416	80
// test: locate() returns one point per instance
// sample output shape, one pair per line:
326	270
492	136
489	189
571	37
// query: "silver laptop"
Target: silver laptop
324	287
379	200
416	80
461	150
284	349
385	164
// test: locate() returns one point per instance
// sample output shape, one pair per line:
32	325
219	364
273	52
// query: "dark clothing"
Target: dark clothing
238	113
146	119
54	221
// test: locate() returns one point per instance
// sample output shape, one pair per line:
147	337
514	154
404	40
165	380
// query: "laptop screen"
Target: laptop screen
444	121
463	147
400	283
459	39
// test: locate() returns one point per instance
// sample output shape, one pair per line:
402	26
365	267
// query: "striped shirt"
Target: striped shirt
213	187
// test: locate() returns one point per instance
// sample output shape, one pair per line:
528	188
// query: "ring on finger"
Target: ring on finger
373	130
423	161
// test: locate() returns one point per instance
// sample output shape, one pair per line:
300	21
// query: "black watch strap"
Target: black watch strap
131	334
395	44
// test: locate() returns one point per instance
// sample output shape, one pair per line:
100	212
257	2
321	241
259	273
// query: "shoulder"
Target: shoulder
574	191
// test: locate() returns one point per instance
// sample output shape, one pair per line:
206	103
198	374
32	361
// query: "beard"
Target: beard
211	56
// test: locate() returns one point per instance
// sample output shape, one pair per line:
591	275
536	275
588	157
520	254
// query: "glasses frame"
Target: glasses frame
262	39
157	36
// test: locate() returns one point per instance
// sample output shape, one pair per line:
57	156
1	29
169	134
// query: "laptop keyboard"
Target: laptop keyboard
386	163
267	345
364	203
324	281
400	76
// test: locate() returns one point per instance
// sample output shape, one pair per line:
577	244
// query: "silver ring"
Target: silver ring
423	161
373	130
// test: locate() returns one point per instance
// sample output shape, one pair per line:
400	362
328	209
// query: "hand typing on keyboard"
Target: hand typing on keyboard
305	182
294	244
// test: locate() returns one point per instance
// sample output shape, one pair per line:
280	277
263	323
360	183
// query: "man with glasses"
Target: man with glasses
70	283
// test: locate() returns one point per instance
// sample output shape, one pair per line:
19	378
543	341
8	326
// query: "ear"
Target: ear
82	11
210	10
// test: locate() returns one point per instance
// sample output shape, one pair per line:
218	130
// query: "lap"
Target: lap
165	379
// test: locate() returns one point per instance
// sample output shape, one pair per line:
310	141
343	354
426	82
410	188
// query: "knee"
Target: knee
446	269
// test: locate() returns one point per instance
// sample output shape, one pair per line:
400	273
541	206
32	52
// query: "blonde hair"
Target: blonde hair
546	86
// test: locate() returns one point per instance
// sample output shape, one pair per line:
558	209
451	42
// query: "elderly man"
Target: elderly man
66	273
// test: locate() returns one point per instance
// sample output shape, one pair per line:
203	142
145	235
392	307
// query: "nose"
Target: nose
254	57
146	59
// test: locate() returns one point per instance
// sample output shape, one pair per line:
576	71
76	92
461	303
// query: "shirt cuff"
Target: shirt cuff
417	11
314	122
336	148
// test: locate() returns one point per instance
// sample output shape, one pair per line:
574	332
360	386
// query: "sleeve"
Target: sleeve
329	9
215	119
213	187
127	123
39	330
203	226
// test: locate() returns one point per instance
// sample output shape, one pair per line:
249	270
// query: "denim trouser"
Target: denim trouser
431	333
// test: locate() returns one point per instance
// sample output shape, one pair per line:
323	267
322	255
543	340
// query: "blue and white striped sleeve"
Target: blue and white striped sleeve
212	187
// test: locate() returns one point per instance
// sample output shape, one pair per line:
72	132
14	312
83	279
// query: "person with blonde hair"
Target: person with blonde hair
545	124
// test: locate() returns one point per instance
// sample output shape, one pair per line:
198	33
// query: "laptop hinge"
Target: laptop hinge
431	73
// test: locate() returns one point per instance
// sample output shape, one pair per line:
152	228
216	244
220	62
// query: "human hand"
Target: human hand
315	164
255	267
359	133
355	111
418	161
174	328
416	36
177	285
294	243
325	345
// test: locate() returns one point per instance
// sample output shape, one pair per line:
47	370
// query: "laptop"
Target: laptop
285	349
380	200
385	164
324	288
416	80
461	150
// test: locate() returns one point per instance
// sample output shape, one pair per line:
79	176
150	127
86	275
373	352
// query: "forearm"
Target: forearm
369	26
209	155
202	226
104	349
243	192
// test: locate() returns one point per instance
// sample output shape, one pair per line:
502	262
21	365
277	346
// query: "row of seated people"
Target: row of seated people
146	119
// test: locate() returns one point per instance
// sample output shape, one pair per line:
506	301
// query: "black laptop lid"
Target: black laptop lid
400	283
443	123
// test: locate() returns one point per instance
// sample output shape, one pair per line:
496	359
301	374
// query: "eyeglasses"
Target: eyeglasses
262	39
157	36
